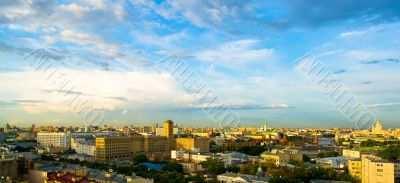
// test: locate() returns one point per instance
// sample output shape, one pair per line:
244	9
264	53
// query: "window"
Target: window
379	170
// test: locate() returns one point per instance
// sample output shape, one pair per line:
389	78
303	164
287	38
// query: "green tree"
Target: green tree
141	158
214	167
173	166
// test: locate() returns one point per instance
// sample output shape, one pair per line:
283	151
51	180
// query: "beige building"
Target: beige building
203	144
282	157
377	170
355	168
351	153
377	129
120	147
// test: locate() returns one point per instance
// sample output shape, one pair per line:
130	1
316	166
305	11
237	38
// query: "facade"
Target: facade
233	145
58	139
282	157
203	144
332	162
169	133
120	147
241	178
351	154
160	131
377	129
8	167
377	170
355	168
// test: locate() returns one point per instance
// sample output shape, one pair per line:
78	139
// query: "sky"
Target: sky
244	51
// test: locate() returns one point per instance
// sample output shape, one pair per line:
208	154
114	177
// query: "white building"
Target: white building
58	139
332	162
85	148
241	178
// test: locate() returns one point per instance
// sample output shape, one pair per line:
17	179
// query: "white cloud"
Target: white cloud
165	41
138	89
235	52
77	10
381	105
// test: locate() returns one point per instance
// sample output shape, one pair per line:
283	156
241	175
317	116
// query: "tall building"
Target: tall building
203	144
58	139
169	133
377	129
168	128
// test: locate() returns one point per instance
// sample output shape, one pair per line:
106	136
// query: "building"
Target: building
241	178
160	131
377	129
282	157
51	172
191	167
58	139
355	168
203	144
351	153
8	167
169	133
378	170
332	162
233	145
119	147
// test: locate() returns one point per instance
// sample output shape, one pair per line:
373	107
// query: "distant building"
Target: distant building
203	144
241	178
58	139
377	129
282	157
233	145
332	162
351	153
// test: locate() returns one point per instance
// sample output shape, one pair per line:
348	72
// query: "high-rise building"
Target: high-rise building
377	129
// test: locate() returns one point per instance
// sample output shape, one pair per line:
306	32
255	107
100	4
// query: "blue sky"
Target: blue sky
243	50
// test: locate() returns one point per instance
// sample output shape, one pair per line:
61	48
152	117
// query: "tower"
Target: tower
377	128
168	128
316	139
169	133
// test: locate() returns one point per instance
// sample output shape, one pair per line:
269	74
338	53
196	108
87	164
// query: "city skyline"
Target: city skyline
243	51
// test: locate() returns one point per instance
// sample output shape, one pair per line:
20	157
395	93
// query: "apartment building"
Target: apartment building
378	170
58	139
355	168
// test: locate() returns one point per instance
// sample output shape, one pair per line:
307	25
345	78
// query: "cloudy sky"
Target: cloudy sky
243	51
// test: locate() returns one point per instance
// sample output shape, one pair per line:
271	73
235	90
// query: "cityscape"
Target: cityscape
199	91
